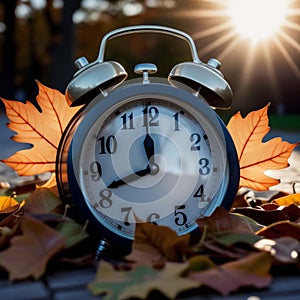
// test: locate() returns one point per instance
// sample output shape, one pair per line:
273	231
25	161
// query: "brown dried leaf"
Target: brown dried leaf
280	229
223	221
30	252
252	270
153	244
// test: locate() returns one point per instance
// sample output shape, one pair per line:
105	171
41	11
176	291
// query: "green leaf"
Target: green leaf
140	281
72	231
231	238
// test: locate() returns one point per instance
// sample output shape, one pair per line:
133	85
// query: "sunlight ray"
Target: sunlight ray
218	42
212	30
228	49
289	40
292	25
287	56
247	71
294	12
213	1
271	70
201	13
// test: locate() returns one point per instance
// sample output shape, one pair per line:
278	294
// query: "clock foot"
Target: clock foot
102	250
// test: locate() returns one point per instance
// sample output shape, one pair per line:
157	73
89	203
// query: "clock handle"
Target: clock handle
150	29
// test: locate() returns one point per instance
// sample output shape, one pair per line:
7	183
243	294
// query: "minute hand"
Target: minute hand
129	178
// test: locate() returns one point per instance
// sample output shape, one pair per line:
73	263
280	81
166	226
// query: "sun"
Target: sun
257	19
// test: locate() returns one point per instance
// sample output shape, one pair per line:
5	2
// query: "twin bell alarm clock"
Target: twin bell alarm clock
149	149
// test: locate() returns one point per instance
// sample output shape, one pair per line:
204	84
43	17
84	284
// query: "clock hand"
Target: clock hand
149	148
129	178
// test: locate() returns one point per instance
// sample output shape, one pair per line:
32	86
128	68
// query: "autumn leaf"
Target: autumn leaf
280	229
30	252
153	244
73	232
270	216
42	200
284	249
222	221
252	270
255	156
8	205
287	200
140	281
42	129
10	210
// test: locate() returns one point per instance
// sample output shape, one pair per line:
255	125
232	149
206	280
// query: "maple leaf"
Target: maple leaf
256	157
30	252
140	281
252	270
153	244
42	129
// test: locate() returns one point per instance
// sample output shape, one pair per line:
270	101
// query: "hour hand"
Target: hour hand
129	178
149	148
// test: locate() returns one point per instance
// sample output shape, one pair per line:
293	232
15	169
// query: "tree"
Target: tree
8	55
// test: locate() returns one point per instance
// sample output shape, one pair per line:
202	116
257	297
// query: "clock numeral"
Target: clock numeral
181	217
154	216
125	121
96	171
200	192
105	201
176	122
108	145
195	138
127	211
204	166
152	114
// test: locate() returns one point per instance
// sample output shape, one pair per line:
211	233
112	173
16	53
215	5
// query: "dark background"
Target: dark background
40	40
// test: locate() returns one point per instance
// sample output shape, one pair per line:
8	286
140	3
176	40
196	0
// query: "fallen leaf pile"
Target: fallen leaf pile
229	250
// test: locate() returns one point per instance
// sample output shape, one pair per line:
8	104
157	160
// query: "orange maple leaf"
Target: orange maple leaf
42	129
256	156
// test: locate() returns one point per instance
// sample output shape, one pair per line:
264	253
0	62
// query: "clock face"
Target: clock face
150	158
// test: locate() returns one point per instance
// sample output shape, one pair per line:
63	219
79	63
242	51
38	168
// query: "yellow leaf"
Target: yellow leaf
288	200
42	129
8	204
256	156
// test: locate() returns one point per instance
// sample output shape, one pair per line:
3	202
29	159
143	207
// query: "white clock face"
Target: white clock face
151	160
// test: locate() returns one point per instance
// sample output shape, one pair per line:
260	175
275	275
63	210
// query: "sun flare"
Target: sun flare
257	19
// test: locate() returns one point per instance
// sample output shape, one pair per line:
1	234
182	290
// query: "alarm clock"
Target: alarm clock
148	149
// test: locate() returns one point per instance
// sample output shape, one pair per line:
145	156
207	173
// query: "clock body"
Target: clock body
146	152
